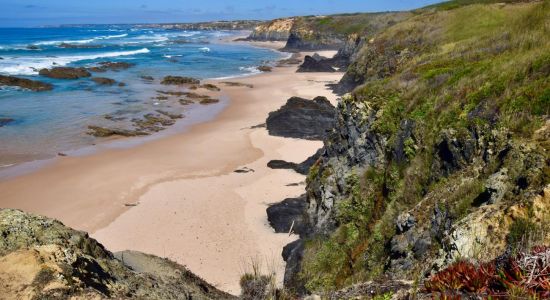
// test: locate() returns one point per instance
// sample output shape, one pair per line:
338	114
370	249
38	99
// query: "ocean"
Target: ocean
46	123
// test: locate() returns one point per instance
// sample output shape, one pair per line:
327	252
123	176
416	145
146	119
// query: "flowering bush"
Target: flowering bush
524	275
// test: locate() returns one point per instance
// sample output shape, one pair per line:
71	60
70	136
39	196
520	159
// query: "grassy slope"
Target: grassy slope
456	66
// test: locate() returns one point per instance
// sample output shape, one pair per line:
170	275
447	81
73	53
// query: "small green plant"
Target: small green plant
386	296
255	285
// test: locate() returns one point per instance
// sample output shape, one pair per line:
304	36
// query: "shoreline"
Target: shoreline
184	185
17	168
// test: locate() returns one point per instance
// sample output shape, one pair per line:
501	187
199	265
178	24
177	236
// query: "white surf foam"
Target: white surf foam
84	41
30	65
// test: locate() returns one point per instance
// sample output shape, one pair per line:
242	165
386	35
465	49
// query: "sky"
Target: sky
26	13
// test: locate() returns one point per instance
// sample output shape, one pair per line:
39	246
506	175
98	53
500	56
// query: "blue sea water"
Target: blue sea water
49	122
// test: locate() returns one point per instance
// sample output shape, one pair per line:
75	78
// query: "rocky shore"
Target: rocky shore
432	180
42	258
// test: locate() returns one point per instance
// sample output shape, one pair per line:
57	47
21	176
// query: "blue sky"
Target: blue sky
16	13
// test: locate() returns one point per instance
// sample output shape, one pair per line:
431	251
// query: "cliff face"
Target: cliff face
276	30
333	32
325	32
440	152
40	258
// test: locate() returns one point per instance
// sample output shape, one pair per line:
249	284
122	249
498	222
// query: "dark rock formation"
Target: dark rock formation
265	68
206	101
33	47
290	214
78	46
316	64
302	168
210	87
103	81
293	254
302	118
281	164
65	73
147	78
179	80
169	114
307	41
40	258
244	170
230	83
98	131
5	121
111	66
32	85
293	60
153	122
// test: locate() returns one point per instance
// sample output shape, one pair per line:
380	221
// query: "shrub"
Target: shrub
524	275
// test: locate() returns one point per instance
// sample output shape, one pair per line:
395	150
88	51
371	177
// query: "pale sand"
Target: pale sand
191	207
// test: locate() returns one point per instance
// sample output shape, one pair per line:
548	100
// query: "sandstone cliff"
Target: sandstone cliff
276	30
40	258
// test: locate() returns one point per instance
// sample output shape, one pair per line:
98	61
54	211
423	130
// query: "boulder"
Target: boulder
32	85
206	101
147	78
179	80
265	68
289	215
5	121
103	81
302	118
210	87
293	254
302	168
111	66
65	73
316	64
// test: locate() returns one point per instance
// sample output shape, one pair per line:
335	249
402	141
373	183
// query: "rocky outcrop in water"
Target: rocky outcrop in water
103	81
65	73
179	80
99	131
5	121
79	46
265	68
40	258
111	66
302	118
25	83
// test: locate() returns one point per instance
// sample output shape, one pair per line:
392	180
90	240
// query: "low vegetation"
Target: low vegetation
462	69
526	275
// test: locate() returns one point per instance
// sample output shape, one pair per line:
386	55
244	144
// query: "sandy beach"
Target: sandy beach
178	196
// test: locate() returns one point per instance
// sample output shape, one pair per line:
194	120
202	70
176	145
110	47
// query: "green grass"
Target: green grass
454	4
483	66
